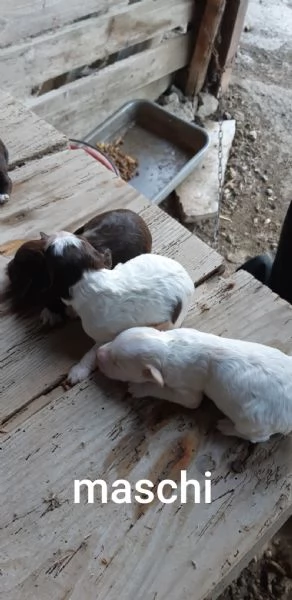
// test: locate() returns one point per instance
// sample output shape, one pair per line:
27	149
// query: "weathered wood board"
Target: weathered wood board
24	133
64	190
230	33
52	547
209	26
24	66
242	307
81	126
24	345
76	108
22	19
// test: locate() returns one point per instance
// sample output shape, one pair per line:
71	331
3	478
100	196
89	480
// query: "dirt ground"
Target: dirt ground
258	178
269	575
257	192
258	181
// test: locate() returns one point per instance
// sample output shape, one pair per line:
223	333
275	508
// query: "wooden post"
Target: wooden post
210	23
230	32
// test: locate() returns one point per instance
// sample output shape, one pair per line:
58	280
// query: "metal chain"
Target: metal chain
220	170
220	72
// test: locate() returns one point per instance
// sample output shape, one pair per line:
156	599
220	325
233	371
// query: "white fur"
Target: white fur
4	198
250	383
83	369
59	241
143	291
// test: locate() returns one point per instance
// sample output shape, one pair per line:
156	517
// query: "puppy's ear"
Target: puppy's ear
107	257
101	256
44	236
153	374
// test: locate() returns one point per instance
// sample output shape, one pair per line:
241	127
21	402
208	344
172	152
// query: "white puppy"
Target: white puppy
147	290
250	383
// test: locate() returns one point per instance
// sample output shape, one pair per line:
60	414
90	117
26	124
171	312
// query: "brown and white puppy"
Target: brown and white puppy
5	181
148	289
122	231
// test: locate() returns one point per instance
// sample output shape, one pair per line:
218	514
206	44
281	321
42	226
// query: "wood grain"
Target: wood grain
21	19
24	133
76	108
63	191
230	33
150	91
160	551
24	66
204	45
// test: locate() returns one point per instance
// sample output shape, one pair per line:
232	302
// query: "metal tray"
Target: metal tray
167	147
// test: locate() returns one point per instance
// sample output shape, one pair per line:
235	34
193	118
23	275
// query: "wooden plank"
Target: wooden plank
230	33
80	128
21	19
24	133
26	65
204	45
159	551
67	180
64	190
226	309
76	108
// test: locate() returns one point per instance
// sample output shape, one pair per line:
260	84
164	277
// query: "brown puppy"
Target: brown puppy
30	286
122	231
5	181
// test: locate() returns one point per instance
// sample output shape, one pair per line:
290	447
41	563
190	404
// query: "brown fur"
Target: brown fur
176	312
122	231
67	268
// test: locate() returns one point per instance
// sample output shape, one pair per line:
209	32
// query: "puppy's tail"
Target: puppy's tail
180	310
176	312
176	316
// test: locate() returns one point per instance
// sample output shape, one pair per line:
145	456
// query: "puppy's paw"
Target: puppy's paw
4	198
50	318
76	374
137	390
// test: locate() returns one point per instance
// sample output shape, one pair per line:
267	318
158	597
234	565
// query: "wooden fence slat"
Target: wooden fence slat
230	32
26	65
76	108
204	45
79	128
24	133
21	19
